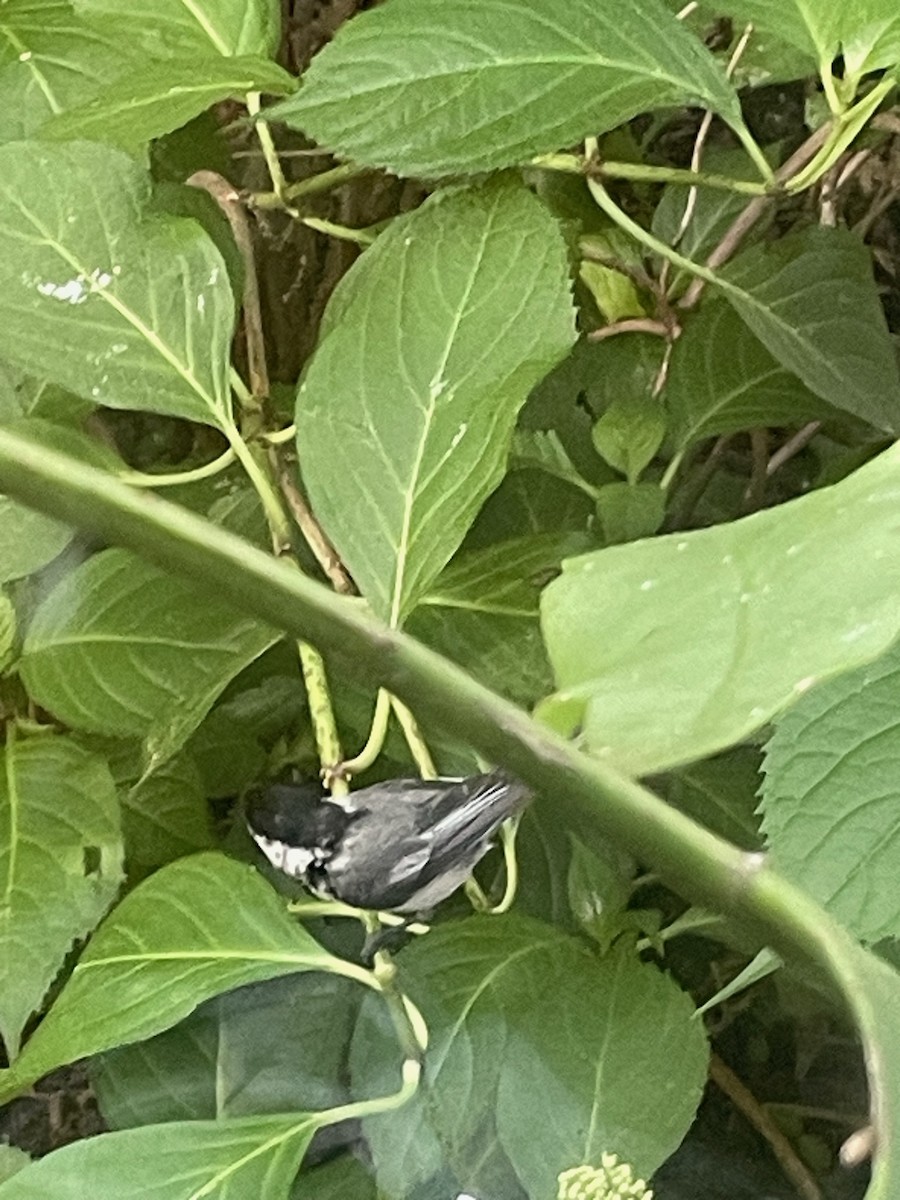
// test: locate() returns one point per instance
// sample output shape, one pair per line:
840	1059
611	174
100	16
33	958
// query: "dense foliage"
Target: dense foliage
556	339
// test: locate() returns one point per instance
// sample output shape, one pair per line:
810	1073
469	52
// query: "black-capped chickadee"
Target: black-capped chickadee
400	846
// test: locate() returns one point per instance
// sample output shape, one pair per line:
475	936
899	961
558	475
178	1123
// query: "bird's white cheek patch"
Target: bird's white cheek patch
293	860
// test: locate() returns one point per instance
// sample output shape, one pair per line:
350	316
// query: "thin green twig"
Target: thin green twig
142	479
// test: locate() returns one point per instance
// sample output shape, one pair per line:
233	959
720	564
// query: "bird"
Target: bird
400	846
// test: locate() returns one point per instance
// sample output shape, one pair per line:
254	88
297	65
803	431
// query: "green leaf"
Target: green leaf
50	59
164	811
164	27
201	926
812	27
169	1077
504	578
722	793
722	379
162	96
871	36
126	307
630	432
659	670
482	612
120	648
530	502
436	87
340	1179
611	1062
502	1041
218	1160
542	449
406	411
866	32
60	865
12	1160
628	511
829	799
283	1045
274	1047
812	301
28	540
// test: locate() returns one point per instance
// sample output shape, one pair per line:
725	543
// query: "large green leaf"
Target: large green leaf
120	648
169	1077
722	379
867	32
809	25
611	1061
60	865
811	300
830	797
127	308
405	414
50	59
163	27
433	87
556	1065
217	1160
870	36
162	96
340	1179
164	811
670	649
482	612
273	1047
201	926
28	540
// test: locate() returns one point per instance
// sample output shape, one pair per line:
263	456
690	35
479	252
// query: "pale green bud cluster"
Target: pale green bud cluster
612	1180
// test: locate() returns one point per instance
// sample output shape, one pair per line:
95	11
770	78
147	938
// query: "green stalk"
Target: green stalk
270	152
377	733
143	479
328	743
418	747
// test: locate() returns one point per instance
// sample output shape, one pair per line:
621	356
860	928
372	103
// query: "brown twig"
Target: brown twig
745	221
792	446
755	495
745	1102
629	325
689	493
323	551
229	200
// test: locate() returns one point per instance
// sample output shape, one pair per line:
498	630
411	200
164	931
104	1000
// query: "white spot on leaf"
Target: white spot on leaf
72	291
